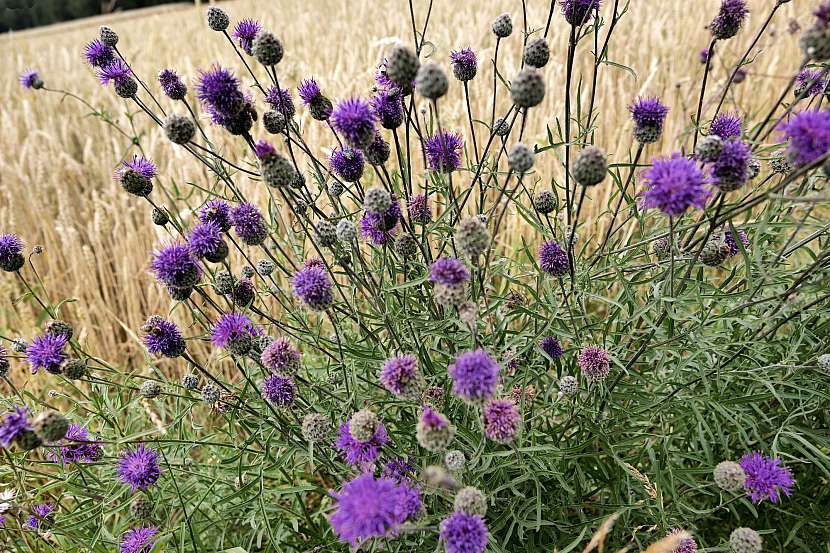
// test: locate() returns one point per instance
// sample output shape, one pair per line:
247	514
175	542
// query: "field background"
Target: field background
56	163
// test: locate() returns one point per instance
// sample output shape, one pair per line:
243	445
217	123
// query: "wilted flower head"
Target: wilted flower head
449	271
808	133
474	375
443	151
356	452
464	533
139	540
765	477
553	259
76	447
674	185
30	79
245	32
280	100
138	467
172	85
687	545
355	120
729	19
98	54
176	267
368	508
313	286
418	208
579	12
726	125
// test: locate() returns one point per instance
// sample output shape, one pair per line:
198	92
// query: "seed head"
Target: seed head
520	158
406	245
454	460
709	148
503	26
217	18
715	252
537	53
470	500
501	128
528	88
434	431
402	67
267	48
377	200
568	385
472	237
544	201
729	476
431	81
345	231
315	427
273	121
325	233
363	425
150	389
179	129
590	166
745	540
50	426
107	36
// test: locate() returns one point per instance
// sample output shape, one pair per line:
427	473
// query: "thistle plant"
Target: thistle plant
364	360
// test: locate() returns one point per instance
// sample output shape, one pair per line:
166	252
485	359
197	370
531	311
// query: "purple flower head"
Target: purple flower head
410	504
263	149
553	259
379	228
233	328
218	89
726	125
449	271
145	168
280	100
594	362
579	12
810	83
464	533
281	356
355	120
278	390
808	133
249	224
115	71
30	79
46	352
687	545
313	286
347	163
765	477
400	375
176	267
399	470
729	19
172	85
703	56
729	238
98	54
432	419
216	211
648	112
14	423
674	185
475	375
443	151
11	248
822	14
42	516
245	32
163	338
309	91
464	63
76	447
138	467
360	453
139	540
551	346
419	209
387	106
314	262
731	169
368	508
501	420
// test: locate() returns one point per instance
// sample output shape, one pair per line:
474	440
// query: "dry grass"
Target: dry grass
56	186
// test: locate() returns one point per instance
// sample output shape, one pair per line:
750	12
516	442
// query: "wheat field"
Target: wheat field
55	171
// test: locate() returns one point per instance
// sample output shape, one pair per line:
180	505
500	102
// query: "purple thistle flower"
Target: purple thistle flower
14	423
464	533
42	516
379	228
400	375
139	540
140	165
355	120
731	169
216	211
115	71
822	13
579	12
726	125
765	477
501	420
163	337
30	79
808	133
410	504
138	467
309	91
729	19
205	240
245	32
448	271
263	149
703	56
419	209
594	362
172	85
347	163
674	185
281	356
475	375
76	447
729	238
443	151
433	419
464	64
98	54
278	390
687	545
232	329
551	346
46	352
360	453
553	259
280	100
368	508
11	252
218	89
313	286
810	83
399	470
387	106
648	112
249	224
314	262
175	266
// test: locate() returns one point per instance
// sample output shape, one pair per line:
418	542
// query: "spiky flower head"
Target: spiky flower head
648	114
11	252
387	106
470	500
218	89
553	259
419	209
808	136
175	267
675	184
120	75
686	543
172	85
42	516
281	356
551	346
162	337
347	163
313	286
245	32
206	240
98	54
47	352
249	224
579	12
380	228
378	152
472	237
474	375
503	25
809	83
356	452
278	390
179	129
30	79
501	420
14	425
594	362
139	540
280	101
726	126
434	431
521	158
730	170
729	476
267	48
464	64
401	376
765	477
217	18
537	53
355	121
76	447
218	212
136	175
234	332
729	20
527	88
138	467
745	540
443	151
454	460
464	533
369	508
448	271
729	238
